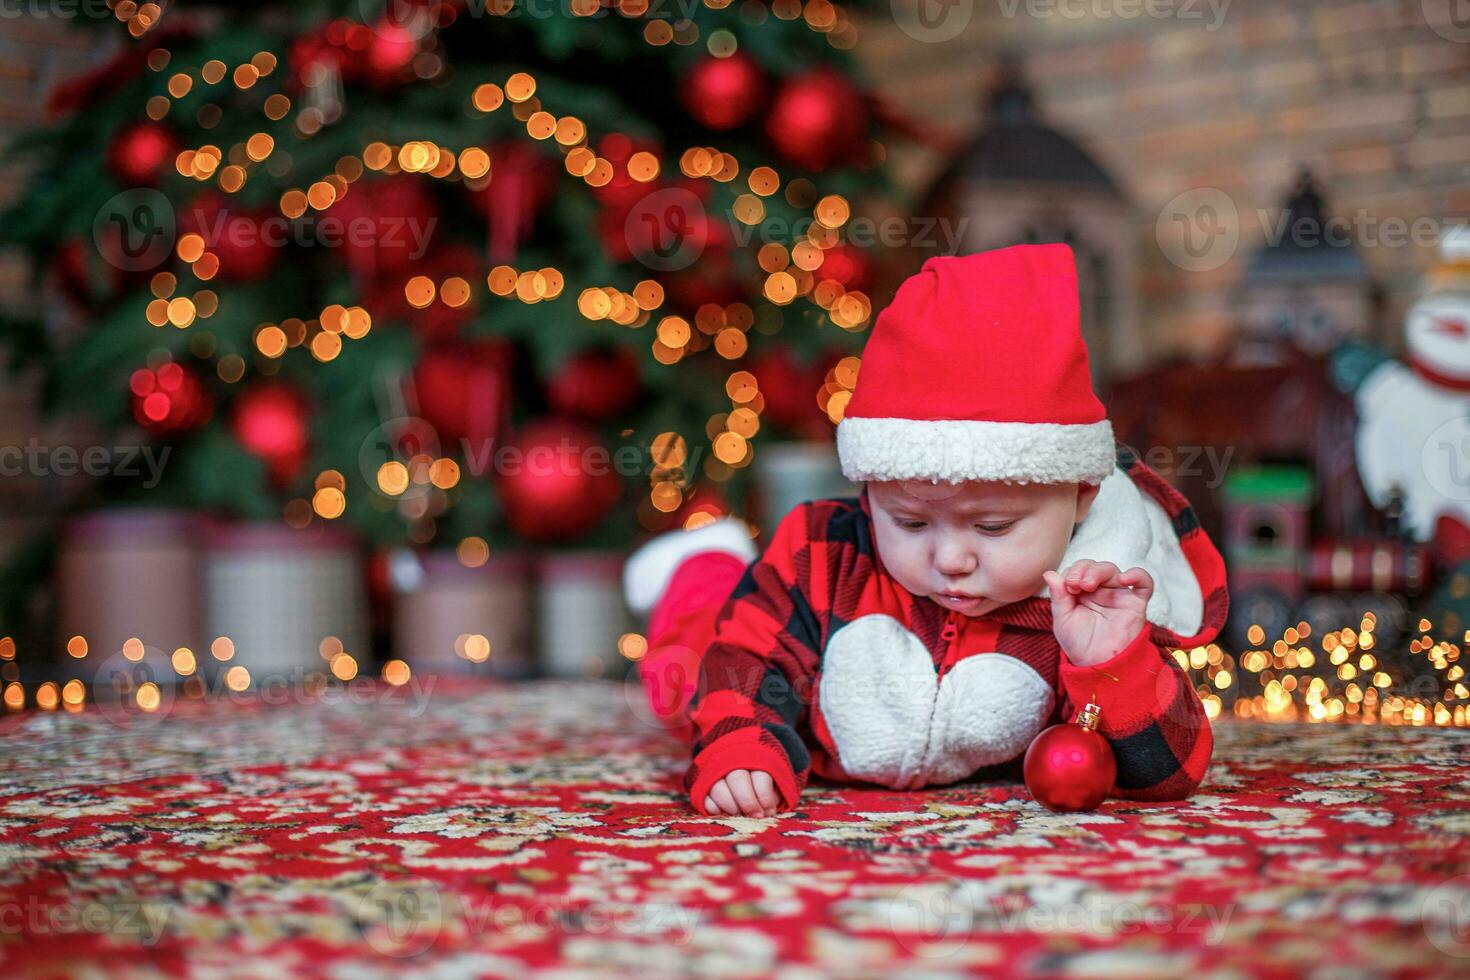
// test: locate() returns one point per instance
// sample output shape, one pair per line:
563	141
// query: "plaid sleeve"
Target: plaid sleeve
1150	715
757	676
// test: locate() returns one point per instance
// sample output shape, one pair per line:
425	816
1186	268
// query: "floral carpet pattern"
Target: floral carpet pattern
501	829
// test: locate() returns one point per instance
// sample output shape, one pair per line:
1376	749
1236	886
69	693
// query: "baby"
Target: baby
1004	563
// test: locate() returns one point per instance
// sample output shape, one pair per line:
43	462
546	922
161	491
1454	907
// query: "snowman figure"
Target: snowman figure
1413	432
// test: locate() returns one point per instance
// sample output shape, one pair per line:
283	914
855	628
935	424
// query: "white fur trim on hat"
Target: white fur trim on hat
955	450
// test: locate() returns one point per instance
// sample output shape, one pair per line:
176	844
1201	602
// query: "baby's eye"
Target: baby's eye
911	525
994	528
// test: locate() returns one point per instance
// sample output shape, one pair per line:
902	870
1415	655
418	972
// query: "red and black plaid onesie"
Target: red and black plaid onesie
812	659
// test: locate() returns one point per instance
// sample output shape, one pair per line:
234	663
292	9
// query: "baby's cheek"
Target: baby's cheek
905	556
1016	568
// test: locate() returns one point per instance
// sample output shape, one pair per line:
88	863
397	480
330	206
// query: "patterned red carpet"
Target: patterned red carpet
485	830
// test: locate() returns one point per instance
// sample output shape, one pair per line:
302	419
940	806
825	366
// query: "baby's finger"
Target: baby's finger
711	808
765	790
1099	574
1056	583
723	799
1137	579
740	785
1062	599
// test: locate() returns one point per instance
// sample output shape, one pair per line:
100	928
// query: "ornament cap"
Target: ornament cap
1088	717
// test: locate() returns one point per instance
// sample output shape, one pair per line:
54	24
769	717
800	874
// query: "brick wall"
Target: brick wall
1371	94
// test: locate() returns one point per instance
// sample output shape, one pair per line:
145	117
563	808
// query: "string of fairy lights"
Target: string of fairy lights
1343	675
146	696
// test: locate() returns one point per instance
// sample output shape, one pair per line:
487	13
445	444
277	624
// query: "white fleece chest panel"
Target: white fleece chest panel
894	723
1129	528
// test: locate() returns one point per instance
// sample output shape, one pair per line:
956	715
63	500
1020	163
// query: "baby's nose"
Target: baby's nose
955	561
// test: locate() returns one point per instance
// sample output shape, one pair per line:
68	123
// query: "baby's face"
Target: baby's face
986	542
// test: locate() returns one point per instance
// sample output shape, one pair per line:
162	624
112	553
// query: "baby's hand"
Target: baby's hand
1096	609
751	792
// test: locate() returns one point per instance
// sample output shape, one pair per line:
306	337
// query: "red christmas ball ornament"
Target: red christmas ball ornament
817	119
453	304
704	503
848	265
595	385
790	390
387	225
139	151
522	180
660	229
1070	768
463	390
623	191
269	421
241	240
390	51
559	484
724	93
84	273
169	399
309	55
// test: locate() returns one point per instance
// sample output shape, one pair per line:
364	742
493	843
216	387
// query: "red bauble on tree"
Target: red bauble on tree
790	390
240	239
169	399
595	385
724	93
463	391
453	305
83	273
818	119
269	421
378	54
140	151
703	503
390	52
848	265
1069	768
522	180
623	190
559	484
387	226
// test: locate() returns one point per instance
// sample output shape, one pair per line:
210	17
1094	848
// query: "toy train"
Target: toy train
1280	577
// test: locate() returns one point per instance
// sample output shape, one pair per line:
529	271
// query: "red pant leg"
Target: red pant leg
681	626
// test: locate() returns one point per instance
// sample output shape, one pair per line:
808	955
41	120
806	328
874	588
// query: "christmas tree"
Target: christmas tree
362	263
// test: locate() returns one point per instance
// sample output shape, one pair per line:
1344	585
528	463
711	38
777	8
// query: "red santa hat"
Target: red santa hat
977	371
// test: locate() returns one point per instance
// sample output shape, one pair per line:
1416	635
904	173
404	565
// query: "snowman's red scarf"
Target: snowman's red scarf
1438	378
